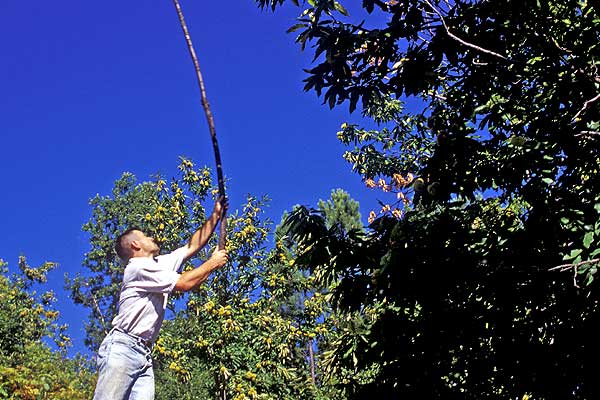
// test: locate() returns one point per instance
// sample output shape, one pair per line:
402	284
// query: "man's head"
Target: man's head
134	243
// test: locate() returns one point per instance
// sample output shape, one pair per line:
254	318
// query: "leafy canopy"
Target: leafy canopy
485	126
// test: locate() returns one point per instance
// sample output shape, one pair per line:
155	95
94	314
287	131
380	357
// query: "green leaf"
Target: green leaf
294	28
534	60
480	109
341	8
588	238
574	253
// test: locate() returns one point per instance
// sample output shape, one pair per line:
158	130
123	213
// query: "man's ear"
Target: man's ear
135	245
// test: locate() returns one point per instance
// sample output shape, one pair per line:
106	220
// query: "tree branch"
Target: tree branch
209	118
565	267
97	308
588	133
575	266
559	46
311	356
585	106
453	36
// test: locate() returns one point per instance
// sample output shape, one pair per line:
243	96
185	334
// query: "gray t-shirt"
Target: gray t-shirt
147	283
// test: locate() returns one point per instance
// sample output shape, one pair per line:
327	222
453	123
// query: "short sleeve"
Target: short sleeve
173	260
155	278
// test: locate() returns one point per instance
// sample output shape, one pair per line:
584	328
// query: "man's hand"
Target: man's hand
190	280
218	258
201	236
221	205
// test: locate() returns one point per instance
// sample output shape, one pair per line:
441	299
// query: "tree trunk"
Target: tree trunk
311	357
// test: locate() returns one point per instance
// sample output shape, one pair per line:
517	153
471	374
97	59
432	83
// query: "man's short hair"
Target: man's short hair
123	250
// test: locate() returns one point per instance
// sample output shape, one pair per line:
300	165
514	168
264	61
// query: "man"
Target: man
124	360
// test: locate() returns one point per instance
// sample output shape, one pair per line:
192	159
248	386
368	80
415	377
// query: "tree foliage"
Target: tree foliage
494	168
255	329
230	341
264	340
29	369
341	209
169	211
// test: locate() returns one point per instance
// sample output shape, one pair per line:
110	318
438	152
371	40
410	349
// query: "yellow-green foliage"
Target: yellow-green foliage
250	331
45	374
246	333
29	369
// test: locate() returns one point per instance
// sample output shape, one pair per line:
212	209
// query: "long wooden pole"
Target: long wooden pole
209	118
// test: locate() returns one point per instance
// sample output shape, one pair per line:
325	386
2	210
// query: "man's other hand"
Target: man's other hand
221	205
219	258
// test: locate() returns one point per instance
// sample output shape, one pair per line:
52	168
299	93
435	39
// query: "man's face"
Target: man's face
147	243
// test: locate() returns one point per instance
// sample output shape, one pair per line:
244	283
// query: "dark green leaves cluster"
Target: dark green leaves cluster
456	297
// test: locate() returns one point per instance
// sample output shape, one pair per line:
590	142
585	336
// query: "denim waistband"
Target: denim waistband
138	339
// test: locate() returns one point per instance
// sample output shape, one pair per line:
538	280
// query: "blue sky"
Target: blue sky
92	89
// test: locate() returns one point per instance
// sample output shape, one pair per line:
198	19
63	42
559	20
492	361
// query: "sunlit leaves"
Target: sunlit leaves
169	211
29	369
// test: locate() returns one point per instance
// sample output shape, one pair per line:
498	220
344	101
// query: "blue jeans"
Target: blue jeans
124	369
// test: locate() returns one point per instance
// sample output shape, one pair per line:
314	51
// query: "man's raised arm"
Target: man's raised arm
190	280
201	236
